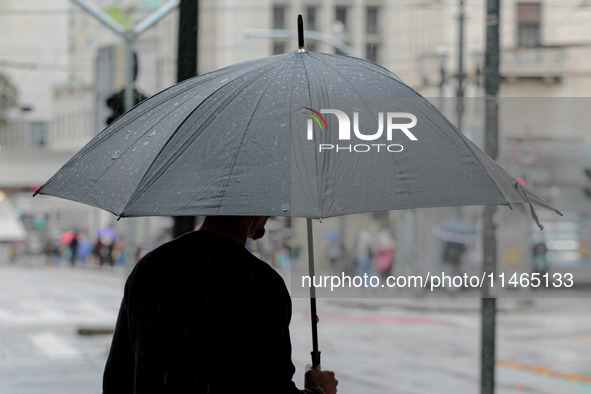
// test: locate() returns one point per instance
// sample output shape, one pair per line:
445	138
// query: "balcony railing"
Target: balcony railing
539	62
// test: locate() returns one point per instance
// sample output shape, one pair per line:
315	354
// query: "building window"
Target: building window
311	22
371	20
528	25
279	16
38	134
341	18
278	47
372	52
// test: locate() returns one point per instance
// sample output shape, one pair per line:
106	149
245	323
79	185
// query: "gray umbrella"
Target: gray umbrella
234	142
281	136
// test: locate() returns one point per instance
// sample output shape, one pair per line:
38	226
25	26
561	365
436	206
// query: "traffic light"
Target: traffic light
587	189
116	102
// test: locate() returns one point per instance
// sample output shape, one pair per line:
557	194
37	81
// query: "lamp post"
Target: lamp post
461	79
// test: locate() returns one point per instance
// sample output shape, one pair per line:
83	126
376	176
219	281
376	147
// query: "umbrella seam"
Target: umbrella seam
137	193
128	148
244	136
318	179
463	139
186	81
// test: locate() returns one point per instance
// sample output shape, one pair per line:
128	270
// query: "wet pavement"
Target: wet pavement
374	345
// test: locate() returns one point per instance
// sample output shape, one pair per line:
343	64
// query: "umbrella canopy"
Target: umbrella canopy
67	236
238	141
455	230
256	138
109	232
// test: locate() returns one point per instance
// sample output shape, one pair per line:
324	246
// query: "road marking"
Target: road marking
384	318
52	346
545	371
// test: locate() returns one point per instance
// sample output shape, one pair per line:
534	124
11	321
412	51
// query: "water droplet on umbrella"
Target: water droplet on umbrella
116	155
146	143
152	133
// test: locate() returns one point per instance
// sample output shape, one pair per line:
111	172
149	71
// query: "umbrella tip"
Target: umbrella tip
301	34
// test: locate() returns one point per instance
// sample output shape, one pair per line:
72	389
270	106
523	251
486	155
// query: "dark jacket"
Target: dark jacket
200	314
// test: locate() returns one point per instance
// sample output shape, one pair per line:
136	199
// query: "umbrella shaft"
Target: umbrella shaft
313	315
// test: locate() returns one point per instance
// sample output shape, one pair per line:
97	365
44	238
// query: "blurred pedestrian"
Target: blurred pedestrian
452	258
363	250
201	314
52	251
84	249
539	256
14	252
118	252
385	252
103	250
335	253
73	246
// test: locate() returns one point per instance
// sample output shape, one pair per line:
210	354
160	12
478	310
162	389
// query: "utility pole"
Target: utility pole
489	240
129	35
186	68
461	76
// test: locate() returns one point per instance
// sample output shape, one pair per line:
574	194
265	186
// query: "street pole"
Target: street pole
489	241
461	76
129	35
186	68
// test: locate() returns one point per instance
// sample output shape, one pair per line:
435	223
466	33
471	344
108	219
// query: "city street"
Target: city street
375	346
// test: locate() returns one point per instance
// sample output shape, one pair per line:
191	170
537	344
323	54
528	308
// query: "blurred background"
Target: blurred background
63	265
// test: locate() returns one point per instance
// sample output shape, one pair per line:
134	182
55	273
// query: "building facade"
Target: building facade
75	63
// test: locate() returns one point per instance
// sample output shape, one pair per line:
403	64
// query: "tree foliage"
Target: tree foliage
8	97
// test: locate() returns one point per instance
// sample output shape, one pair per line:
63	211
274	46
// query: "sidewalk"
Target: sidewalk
468	302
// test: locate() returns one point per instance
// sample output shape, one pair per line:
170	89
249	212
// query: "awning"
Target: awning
11	228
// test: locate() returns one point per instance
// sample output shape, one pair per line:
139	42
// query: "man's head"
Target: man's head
237	227
257	226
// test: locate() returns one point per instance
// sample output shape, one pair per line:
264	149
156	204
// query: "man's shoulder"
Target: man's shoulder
198	249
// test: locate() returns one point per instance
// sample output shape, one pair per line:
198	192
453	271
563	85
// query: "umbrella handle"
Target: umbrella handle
316	360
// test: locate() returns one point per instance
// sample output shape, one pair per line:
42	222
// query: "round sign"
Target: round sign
526	153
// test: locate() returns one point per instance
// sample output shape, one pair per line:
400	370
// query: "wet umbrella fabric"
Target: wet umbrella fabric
233	142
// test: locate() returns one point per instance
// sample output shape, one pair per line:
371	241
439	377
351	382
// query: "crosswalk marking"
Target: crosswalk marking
53	346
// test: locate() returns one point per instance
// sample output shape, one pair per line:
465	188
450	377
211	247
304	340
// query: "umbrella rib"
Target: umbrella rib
131	145
102	137
116	127
244	136
453	127
319	177
138	192
190	84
